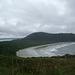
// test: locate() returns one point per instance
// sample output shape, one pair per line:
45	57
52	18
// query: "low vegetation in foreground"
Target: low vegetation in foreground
59	65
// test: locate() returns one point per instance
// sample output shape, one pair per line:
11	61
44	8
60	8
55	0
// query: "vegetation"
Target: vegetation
40	38
10	48
57	65
37	66
47	37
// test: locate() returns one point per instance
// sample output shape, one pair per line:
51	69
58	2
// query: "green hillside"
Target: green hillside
48	37
34	39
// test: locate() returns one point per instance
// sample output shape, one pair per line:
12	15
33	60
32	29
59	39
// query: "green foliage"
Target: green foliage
36	66
10	47
40	38
47	37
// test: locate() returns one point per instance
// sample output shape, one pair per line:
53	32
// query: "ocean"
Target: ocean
49	50
7	39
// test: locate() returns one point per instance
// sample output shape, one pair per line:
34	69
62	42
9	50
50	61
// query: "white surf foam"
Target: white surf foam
40	51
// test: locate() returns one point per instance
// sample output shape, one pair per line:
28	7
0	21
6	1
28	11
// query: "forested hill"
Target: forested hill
41	36
34	39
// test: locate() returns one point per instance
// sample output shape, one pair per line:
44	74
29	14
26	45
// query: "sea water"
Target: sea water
5	39
48	50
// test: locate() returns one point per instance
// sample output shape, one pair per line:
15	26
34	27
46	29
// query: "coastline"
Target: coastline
40	51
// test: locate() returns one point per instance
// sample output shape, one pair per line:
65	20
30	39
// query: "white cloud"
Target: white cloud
21	17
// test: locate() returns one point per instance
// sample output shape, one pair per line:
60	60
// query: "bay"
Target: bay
48	50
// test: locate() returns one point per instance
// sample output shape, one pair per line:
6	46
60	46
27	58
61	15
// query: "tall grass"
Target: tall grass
36	66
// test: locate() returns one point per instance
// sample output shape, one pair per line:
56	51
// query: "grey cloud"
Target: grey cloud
22	17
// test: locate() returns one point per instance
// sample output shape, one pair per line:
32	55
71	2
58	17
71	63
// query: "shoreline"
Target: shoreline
34	52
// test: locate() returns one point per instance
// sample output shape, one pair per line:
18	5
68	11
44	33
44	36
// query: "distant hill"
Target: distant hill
41	36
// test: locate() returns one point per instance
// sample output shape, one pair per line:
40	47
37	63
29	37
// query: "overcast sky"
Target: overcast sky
22	17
